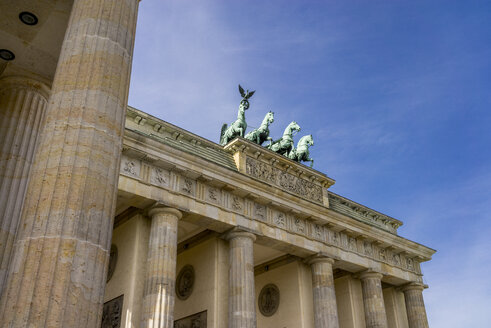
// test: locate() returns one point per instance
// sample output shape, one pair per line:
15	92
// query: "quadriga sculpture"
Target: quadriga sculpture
238	127
261	134
301	153
284	145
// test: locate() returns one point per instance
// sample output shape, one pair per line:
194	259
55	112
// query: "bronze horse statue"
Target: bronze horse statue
261	134
301	153
284	145
239	126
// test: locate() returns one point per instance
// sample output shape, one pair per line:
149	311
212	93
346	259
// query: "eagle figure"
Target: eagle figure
245	94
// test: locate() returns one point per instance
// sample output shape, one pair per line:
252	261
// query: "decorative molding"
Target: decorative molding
356	211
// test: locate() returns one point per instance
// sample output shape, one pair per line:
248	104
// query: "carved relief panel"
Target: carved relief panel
236	203
159	177
259	212
187	186
197	320
213	194
284	180
130	166
111	313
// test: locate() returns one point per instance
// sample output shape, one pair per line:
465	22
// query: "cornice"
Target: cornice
348	207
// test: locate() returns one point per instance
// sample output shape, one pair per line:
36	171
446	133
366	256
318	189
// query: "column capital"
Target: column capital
240	232
320	258
369	274
27	82
413	286
160	209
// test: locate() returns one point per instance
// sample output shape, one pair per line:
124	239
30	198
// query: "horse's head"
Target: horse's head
293	128
307	140
270	117
310	140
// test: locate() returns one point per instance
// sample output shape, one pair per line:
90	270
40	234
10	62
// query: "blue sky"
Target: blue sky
397	95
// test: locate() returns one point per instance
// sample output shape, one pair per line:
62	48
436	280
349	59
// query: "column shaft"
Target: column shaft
373	300
22	108
158	296
57	275
415	306
242	309
325	307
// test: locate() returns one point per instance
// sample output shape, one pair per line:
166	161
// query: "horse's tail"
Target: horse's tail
222	132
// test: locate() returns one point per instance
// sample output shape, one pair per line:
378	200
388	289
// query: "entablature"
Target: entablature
158	171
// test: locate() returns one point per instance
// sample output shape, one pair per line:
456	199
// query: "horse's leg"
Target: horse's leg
311	162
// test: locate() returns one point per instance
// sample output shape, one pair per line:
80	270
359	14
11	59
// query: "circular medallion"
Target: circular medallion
269	300
113	258
185	282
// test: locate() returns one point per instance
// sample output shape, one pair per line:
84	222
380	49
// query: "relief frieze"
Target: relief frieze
352	244
317	232
259	212
159	177
214	194
163	178
299	225
280	220
284	180
396	259
130	167
237	203
367	248
188	186
409	264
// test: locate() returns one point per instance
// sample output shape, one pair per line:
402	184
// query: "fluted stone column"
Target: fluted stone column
241	309
58	272
325	308
415	306
22	108
160	281
373	300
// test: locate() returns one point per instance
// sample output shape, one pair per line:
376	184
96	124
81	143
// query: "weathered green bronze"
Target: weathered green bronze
238	127
284	145
301	153
261	134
